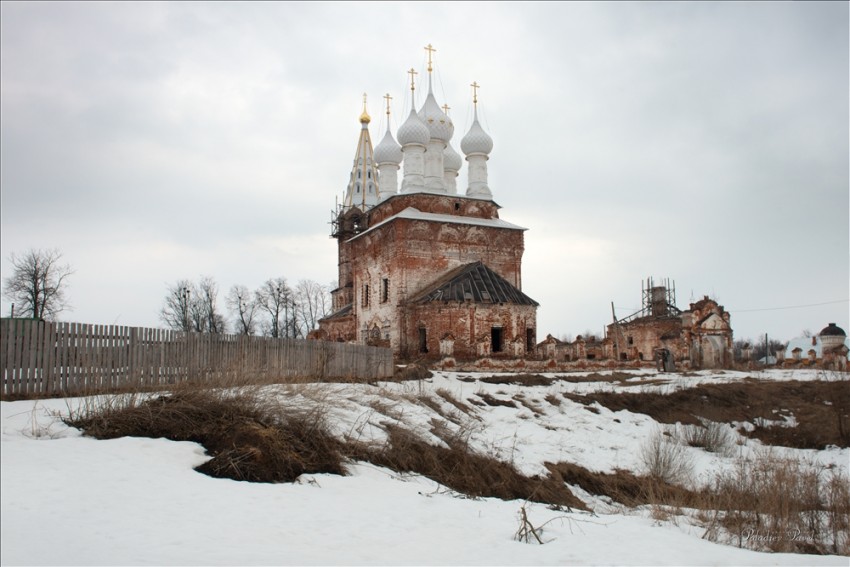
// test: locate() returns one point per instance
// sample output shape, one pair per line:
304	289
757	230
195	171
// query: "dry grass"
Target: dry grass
531	405
494	401
821	408
254	438
623	486
597	377
248	437
251	436
665	460
781	505
553	399
411	372
519	380
449	397
768	504
464	470
711	436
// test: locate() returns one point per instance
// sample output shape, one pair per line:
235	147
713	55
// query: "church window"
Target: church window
385	290
365	299
457	206
423	340
496	339
631	341
529	340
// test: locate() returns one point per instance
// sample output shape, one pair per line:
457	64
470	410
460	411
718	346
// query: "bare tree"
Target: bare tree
312	302
207	308
274	299
242	305
177	311
37	284
190	307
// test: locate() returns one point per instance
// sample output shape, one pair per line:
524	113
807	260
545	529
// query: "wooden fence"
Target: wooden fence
41	358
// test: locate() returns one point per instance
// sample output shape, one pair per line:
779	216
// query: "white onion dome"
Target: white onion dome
388	151
451	159
476	141
440	126
413	131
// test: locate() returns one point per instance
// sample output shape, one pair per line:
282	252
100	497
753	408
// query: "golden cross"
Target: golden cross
430	50
364	102
475	86
446	108
412	73
388	98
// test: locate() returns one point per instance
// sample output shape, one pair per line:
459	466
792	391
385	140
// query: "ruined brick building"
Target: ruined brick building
424	269
700	337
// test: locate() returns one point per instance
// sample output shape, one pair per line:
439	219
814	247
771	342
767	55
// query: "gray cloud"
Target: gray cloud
706	142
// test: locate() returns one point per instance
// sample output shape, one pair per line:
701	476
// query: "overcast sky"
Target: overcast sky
702	142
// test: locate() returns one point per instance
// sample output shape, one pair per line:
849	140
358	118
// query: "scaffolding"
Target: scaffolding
658	301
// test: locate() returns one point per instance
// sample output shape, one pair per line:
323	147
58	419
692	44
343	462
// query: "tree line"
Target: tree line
39	279
274	309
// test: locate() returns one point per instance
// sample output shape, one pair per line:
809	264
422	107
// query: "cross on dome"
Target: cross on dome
430	50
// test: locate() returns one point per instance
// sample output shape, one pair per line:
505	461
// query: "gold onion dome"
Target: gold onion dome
364	116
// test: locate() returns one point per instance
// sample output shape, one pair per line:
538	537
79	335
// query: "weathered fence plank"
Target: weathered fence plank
41	358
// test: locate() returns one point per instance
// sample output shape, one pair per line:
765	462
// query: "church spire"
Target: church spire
364	116
362	191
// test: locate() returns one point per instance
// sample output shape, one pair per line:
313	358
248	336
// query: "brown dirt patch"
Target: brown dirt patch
821	408
519	379
597	377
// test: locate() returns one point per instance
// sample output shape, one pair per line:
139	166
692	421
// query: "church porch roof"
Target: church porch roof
475	283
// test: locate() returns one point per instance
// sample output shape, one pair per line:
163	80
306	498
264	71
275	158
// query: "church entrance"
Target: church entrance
496	340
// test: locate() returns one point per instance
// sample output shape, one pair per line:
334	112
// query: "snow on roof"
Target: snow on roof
413	213
805	344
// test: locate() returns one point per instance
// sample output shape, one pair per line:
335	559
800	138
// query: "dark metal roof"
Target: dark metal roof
833	330
474	283
344	312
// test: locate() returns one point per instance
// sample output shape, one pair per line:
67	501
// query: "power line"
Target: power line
789	307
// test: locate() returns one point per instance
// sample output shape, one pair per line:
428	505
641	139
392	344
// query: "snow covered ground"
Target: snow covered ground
72	500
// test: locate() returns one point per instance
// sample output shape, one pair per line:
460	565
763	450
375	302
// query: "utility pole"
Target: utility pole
766	351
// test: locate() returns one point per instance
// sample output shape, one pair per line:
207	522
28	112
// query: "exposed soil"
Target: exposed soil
519	379
820	408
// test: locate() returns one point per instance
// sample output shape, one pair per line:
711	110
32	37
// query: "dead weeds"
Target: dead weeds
519	380
821	409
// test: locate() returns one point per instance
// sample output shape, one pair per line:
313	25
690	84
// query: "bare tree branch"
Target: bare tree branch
274	299
38	282
241	303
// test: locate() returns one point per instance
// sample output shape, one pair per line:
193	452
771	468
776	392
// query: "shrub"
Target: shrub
781	505
712	436
666	460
